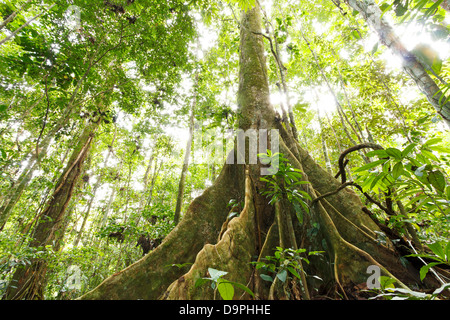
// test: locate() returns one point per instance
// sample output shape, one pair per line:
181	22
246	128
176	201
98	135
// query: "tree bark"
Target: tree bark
412	66
326	157
28	282
187	154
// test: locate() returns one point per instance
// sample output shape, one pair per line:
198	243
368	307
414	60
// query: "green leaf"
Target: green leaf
379	153
294	272
408	149
241	286
437	180
377	178
393	152
400	10
356	35
2	154
397	170
384	7
266	277
226	289
437	65
370	165
200	281
440	149
432	141
282	275
424	270
437	249
375	48
429	155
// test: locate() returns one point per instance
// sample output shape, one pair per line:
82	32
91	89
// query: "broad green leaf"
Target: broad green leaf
408	149
241	286
266	277
437	180
424	270
400	10
397	170
439	148
356	35
200	281
429	155
370	165
393	152
379	153
294	272
282	275
377	178
226	289
432	142
437	249
367	183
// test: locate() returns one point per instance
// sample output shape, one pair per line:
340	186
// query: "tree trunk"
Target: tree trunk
187	154
326	157
412	66
206	238
28	282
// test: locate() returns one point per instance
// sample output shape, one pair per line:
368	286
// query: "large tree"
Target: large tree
337	222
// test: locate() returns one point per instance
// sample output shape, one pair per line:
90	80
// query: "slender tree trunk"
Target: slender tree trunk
28	281
444	4
358	127
412	66
146	184
156	169
85	218
187	154
94	192
324	145
339	108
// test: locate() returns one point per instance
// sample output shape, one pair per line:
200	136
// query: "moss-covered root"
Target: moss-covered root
149	277
351	267
233	254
